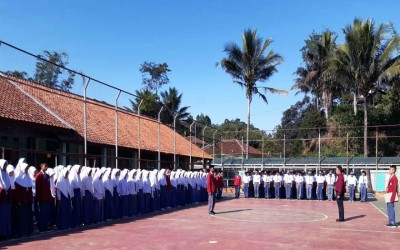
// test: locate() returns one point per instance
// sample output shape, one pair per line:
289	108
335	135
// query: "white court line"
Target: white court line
378	209
360	230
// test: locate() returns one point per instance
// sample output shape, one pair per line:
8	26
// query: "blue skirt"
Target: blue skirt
108	206
88	210
77	208
64	213
5	218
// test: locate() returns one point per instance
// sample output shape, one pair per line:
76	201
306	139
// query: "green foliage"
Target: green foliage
154	76
49	75
18	74
150	105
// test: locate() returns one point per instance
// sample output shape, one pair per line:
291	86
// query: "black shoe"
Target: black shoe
339	220
212	212
391	226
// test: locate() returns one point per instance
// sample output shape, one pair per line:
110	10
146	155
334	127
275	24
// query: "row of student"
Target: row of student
68	197
297	186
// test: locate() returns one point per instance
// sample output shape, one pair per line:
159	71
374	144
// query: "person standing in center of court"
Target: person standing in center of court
309	185
363	182
340	189
256	184
211	189
237	181
320	185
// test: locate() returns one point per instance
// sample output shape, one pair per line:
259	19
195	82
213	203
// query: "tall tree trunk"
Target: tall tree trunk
365	125
248	127
355	103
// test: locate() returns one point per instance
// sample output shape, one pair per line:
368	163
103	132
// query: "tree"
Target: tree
316	76
18	74
367	60
150	105
171	100
50	75
249	65
154	75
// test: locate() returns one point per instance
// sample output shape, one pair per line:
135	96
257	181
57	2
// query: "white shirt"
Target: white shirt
309	179
330	179
320	179
266	178
363	179
299	179
351	180
246	179
256	178
288	178
277	178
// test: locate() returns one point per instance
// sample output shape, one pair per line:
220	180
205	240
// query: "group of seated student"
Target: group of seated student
299	185
72	196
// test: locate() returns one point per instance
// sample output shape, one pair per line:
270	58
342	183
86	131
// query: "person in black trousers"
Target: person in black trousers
340	190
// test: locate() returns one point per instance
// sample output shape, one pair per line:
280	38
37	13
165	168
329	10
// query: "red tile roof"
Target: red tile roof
232	147
100	118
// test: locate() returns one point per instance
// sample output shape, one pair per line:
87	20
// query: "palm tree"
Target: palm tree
171	100
368	60
316	76
249	65
150	105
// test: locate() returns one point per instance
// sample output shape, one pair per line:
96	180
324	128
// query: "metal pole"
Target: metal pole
284	152
319	149
203	144
85	120
159	135
214	143
347	153
116	129
262	153
190	159
175	140
376	149
140	104
242	152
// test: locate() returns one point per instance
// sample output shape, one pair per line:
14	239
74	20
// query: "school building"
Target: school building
48	125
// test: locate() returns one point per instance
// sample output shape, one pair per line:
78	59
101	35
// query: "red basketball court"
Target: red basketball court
238	224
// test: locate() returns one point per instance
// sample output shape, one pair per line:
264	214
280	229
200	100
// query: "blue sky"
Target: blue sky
108	40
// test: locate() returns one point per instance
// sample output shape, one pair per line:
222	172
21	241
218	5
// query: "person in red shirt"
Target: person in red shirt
392	188
211	189
43	197
340	190
237	181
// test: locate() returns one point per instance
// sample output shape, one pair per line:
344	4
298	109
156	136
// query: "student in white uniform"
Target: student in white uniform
267	180
299	185
277	184
363	182
246	181
288	180
320	185
309	184
351	183
256	184
330	183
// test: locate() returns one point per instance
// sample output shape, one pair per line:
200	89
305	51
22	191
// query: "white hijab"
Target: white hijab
87	180
4	177
17	170
10	168
123	183
74	177
97	183
64	185
114	176
108	182
23	179
51	174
